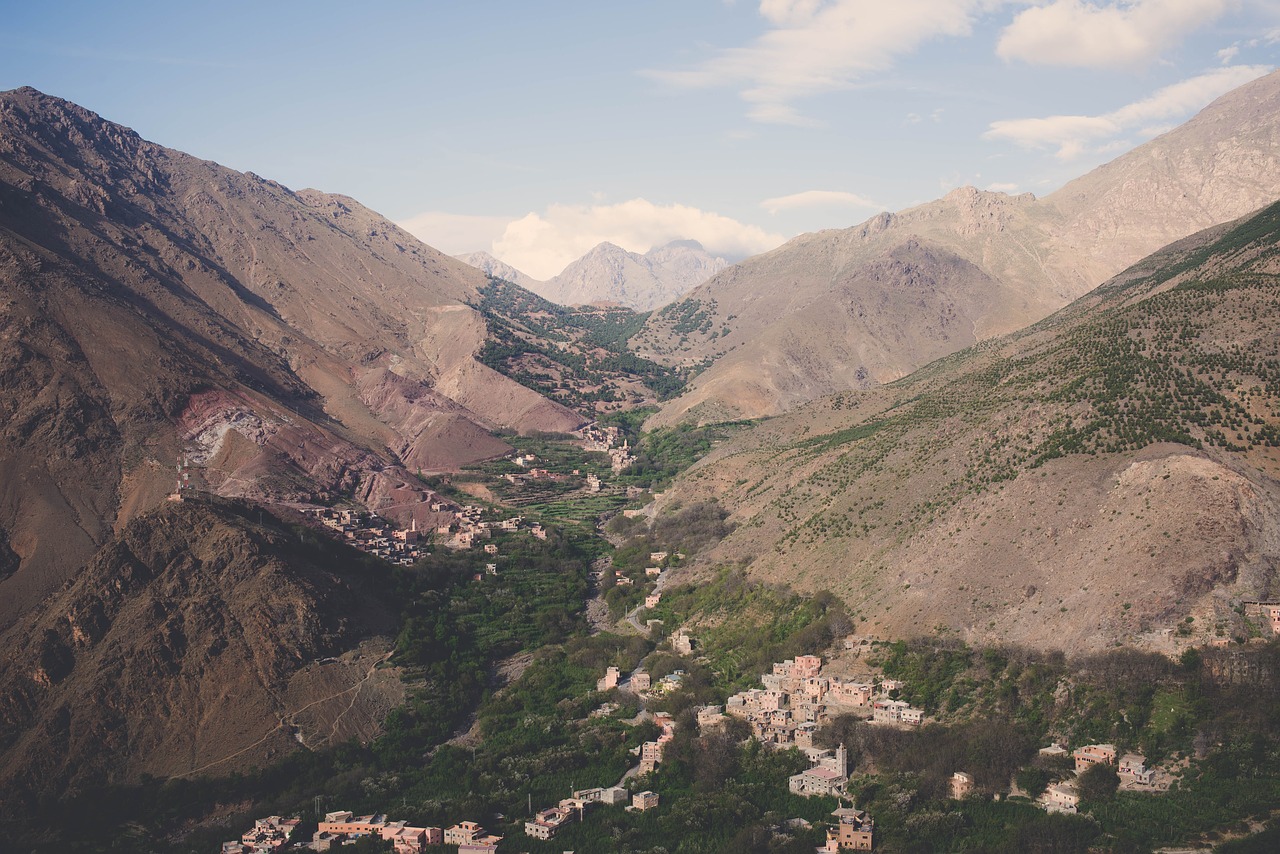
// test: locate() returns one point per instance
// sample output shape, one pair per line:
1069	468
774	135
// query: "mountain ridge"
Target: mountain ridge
831	310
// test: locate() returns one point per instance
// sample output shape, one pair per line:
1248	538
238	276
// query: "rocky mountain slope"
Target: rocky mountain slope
1110	474
846	309
156	306
197	640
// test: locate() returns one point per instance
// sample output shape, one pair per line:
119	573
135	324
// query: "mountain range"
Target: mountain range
1102	477
611	274
845	309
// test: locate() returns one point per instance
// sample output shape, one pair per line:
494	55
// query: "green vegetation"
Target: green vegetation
743	626
577	356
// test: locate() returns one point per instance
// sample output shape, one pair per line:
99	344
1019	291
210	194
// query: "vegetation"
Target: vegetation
577	356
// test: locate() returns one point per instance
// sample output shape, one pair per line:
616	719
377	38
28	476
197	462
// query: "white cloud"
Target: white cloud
544	244
817	46
455	234
1073	135
818	198
1003	187
1229	53
1110	35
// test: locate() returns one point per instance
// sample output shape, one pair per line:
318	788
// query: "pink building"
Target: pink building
1093	754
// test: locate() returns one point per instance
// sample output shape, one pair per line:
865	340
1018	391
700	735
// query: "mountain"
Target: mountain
1109	475
847	309
610	274
157	305
486	263
289	346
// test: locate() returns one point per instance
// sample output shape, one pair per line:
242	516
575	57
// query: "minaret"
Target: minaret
842	761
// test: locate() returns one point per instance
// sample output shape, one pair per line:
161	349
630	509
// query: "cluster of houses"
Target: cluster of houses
547	823
267	834
273	834
797	698
468	526
372	534
608	440
1131	768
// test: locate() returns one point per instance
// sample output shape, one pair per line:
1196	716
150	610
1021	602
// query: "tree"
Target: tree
1098	782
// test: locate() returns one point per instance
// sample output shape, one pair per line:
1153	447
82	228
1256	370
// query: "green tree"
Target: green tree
1098	782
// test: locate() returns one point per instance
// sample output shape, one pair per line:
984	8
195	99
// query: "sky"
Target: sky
535	130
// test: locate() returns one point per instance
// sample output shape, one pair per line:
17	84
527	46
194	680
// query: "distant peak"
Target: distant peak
681	244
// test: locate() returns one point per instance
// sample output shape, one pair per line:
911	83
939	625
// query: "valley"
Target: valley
302	518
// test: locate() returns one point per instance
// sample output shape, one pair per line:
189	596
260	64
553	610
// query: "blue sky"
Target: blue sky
536	129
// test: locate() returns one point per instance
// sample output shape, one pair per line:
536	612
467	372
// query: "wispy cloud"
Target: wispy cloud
817	46
1073	135
818	198
1107	35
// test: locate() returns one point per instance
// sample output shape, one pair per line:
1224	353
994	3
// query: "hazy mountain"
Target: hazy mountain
850	308
154	306
501	270
1102	476
610	274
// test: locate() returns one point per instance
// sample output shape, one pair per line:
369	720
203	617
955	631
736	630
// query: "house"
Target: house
888	711
653	571
1054	750
609	680
806	667
961	785
468	833
650	756
644	801
490	549
547	823
710	716
1060	797
826	778
682	644
593	483
657	557
912	716
888	685
854	830
1094	754
640	681
652	600
1134	767
614	796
